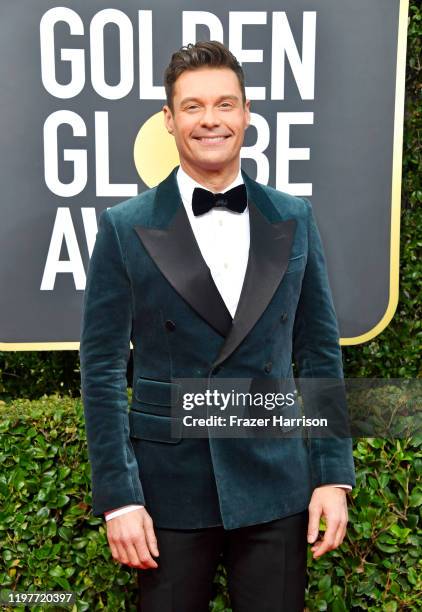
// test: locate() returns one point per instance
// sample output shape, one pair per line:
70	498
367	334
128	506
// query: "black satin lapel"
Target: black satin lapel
270	246
176	253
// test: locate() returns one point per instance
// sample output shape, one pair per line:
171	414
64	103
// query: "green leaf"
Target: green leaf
415	499
324	583
56	571
338	605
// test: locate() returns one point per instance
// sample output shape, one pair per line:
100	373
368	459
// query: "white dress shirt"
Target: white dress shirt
227	264
225	228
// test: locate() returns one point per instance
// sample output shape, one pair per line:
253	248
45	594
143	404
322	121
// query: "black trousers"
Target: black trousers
266	567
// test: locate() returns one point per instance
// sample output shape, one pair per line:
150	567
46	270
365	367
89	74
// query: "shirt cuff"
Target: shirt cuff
342	486
122	510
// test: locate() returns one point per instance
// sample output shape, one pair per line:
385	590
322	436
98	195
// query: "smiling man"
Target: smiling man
208	124
210	274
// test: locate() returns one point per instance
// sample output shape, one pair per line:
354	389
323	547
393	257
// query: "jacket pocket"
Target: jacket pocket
156	392
296	263
146	426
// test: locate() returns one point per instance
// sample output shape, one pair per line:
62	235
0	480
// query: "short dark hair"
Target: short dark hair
193	56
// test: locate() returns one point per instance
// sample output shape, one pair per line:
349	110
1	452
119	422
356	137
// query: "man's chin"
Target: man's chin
211	162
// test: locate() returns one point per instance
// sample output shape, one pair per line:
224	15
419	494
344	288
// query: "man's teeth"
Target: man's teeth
212	138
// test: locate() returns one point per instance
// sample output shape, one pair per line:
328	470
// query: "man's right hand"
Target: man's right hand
132	539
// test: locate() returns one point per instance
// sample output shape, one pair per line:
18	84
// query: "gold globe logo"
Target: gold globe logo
155	152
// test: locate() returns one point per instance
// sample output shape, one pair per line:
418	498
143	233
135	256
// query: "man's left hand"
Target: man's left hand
331	503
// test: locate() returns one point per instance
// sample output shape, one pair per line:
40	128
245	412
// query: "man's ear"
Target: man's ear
168	118
248	109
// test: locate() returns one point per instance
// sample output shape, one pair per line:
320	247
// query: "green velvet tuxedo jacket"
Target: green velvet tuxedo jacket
148	283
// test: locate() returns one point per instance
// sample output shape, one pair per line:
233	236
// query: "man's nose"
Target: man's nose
209	117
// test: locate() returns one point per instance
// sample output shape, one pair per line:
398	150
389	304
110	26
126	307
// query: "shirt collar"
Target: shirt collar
187	184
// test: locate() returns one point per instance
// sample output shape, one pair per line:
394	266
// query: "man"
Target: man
210	286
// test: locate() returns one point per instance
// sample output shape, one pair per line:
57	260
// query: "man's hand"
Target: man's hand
132	539
331	503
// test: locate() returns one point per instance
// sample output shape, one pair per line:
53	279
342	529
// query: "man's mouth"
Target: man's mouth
211	139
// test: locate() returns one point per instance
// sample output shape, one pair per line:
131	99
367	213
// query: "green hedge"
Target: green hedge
50	540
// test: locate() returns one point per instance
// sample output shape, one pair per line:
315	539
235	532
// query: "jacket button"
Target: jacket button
283	317
268	367
170	325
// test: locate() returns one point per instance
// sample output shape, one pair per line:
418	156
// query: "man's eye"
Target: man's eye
226	104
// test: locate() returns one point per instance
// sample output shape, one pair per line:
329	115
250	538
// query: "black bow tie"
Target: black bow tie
234	199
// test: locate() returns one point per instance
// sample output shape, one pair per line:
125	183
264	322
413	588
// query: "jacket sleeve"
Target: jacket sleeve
317	354
104	352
